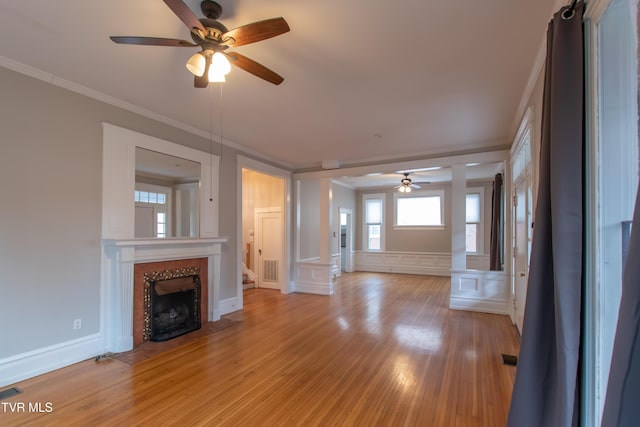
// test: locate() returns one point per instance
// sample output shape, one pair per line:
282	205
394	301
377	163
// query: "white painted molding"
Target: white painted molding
286	265
229	305
595	9
483	291
421	263
30	364
119	258
314	278
336	265
425	263
118	180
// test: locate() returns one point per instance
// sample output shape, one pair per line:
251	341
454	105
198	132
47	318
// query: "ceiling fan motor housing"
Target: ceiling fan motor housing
214	30
211	9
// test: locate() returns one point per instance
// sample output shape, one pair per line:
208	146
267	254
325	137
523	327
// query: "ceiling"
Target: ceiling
365	80
420	176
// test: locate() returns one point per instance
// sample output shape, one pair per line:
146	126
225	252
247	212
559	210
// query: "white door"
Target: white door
268	240
144	221
520	251
346	225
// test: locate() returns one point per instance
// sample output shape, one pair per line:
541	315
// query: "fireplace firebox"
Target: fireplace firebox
173	305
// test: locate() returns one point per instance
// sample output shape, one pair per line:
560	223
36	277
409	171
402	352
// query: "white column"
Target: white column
325	225
458	217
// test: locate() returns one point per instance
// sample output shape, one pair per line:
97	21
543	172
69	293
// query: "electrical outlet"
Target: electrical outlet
77	324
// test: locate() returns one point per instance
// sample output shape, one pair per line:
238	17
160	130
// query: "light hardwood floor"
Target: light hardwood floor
383	351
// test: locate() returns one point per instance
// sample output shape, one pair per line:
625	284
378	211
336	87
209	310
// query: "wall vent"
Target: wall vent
270	270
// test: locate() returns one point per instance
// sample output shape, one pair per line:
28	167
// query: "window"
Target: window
150	197
420	210
474	229
612	159
152	210
373	222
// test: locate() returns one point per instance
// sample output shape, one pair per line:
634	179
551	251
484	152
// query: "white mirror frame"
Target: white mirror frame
118	180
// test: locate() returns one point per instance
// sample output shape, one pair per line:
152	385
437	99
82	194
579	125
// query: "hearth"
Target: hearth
172	300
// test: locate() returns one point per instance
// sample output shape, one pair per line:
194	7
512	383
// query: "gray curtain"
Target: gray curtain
495	253
546	390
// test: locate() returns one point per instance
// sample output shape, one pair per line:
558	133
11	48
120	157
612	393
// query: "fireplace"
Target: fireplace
178	284
173	303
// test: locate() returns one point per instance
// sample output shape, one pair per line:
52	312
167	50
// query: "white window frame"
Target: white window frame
480	230
365	225
414	194
600	293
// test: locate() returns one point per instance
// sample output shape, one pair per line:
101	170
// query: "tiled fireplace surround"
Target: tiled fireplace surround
126	262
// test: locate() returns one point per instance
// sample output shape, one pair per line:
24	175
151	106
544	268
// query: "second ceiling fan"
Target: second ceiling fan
214	40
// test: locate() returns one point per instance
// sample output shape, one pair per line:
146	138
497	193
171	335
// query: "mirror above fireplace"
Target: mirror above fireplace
167	195
139	171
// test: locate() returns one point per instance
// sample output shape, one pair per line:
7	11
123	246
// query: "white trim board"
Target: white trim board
422	263
40	361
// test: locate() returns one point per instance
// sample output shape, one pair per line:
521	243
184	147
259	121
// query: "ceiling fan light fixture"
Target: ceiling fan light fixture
214	77
197	64
220	64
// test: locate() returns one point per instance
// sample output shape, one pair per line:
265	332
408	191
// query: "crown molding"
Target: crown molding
35	73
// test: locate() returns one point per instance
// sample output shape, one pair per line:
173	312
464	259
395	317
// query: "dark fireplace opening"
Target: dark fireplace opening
175	307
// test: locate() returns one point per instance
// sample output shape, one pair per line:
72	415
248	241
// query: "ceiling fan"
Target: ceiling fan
212	63
406	184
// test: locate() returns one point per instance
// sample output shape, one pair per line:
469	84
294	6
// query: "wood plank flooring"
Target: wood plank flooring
383	351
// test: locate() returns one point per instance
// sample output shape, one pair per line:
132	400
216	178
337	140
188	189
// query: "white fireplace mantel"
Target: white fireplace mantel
119	258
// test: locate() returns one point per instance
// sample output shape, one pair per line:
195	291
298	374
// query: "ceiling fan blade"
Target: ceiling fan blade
251	66
255	32
151	41
416	186
187	16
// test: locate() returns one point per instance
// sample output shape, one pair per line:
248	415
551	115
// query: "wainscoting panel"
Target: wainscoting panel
426	263
484	291
314	278
336	265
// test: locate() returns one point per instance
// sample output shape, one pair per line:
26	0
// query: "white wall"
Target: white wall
309	219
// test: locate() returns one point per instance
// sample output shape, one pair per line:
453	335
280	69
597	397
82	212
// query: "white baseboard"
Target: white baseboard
483	306
404	270
229	305
47	359
314	288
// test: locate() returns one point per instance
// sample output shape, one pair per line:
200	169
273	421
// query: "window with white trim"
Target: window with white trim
419	210
474	231
152	210
373	233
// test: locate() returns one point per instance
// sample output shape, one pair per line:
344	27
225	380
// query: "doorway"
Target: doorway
268	247
521	250
263	231
521	218
346	240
